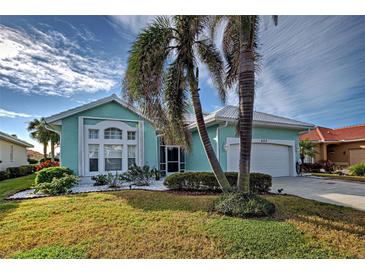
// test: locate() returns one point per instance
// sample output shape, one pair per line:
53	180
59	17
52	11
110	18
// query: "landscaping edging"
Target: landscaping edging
353	179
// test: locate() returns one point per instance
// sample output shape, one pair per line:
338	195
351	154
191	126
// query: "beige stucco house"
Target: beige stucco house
342	146
13	151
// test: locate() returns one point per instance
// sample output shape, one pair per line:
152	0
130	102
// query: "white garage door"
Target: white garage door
266	158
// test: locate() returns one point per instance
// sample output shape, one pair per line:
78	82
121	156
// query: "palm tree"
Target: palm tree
39	132
239	48
307	148
163	69
55	139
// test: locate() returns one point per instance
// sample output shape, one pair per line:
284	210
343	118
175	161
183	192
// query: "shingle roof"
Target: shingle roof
13	139
338	134
230	113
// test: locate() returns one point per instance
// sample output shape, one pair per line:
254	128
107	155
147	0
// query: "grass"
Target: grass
341	177
145	224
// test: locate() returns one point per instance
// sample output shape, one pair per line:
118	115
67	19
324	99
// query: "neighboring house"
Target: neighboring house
342	146
13	151
32	154
109	135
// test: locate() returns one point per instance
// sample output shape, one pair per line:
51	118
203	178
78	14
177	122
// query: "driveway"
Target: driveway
323	190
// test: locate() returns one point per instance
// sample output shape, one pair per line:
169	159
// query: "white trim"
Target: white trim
141	142
80	146
289	143
217	133
55	118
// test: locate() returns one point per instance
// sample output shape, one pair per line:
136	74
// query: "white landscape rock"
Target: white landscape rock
87	185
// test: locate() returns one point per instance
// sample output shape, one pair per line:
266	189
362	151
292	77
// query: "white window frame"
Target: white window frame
101	126
97	133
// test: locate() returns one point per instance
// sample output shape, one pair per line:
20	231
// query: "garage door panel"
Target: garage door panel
357	156
265	158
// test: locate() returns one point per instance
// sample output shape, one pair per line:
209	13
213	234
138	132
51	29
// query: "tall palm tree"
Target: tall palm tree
39	132
163	69
239	45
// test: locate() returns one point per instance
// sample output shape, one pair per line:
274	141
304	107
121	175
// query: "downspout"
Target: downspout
217	132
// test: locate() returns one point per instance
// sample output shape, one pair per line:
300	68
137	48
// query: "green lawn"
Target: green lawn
146	224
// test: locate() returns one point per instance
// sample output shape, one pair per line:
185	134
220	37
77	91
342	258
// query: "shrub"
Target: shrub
107	179
205	181
57	186
46	164
32	161
14	172
48	159
139	176
244	205
4	175
358	169
46	175
101	179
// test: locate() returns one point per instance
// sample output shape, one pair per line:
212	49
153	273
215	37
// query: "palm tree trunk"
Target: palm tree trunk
203	133
52	150
45	150
246	104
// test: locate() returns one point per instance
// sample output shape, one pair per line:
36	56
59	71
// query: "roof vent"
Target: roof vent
14	135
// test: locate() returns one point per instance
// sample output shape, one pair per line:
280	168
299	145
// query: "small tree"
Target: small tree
306	148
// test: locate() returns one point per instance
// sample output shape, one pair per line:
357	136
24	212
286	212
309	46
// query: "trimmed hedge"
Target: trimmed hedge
4	175
205	181
13	172
46	175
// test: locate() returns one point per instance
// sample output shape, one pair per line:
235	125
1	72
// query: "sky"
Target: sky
312	67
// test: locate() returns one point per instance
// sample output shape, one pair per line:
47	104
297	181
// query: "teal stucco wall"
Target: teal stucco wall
196	160
69	133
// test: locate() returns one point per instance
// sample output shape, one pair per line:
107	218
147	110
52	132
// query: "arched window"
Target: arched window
112	133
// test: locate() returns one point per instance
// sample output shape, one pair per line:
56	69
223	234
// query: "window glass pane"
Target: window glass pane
172	154
113	164
93	164
131	135
112	133
113	151
131	162
131	151
182	155
93	133
162	154
172	167
113	157
93	151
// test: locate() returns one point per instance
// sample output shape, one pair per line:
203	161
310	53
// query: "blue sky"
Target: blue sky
313	68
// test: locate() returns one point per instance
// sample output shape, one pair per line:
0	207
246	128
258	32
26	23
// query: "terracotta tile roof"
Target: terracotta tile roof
338	134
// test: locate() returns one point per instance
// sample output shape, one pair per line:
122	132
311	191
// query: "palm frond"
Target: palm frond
211	57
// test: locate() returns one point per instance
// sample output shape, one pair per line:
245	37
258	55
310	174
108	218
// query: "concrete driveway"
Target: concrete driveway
323	190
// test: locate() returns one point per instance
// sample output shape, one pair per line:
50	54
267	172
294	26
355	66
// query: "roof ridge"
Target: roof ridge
360	125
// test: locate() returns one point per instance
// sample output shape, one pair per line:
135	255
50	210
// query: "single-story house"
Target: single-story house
110	135
342	146
13	151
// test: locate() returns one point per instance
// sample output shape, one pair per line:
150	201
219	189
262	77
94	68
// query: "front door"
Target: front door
172	159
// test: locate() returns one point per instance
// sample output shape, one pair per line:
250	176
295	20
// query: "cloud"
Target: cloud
47	62
12	114
132	23
313	68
